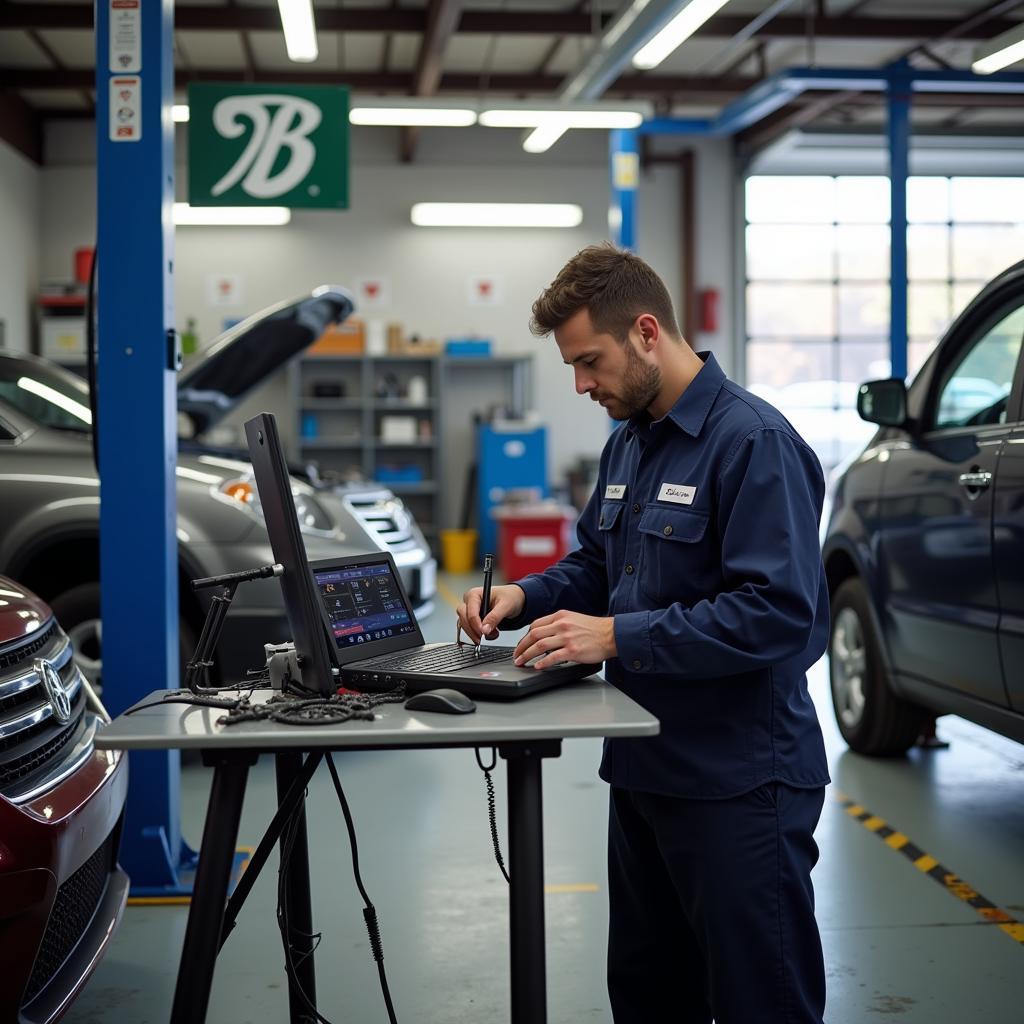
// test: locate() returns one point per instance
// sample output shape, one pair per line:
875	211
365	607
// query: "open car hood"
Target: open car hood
214	382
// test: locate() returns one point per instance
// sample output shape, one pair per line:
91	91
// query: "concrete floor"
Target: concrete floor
898	945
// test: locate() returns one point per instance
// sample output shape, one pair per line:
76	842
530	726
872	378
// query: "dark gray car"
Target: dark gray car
49	492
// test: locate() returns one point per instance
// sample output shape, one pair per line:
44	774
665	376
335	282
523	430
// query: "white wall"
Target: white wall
428	269
19	246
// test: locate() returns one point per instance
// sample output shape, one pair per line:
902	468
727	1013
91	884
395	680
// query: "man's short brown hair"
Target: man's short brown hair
614	285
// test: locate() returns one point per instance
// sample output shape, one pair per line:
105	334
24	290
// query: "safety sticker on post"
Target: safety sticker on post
126	109
125	36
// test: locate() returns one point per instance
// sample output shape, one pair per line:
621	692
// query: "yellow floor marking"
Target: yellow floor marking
925	863
854	809
184	901
157	901
874	823
446	592
897	840
578	887
1015	930
995	914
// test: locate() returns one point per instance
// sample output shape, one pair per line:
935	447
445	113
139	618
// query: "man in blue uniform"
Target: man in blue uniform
699	583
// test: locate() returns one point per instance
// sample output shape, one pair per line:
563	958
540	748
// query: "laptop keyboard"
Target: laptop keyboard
441	659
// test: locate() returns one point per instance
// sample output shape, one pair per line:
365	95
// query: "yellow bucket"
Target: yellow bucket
458	550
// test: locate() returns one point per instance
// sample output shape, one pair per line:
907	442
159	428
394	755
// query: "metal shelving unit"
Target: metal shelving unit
341	431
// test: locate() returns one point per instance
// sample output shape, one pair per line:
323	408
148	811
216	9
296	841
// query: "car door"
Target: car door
1008	546
937	550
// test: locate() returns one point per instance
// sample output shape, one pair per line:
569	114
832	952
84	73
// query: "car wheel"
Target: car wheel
872	719
78	612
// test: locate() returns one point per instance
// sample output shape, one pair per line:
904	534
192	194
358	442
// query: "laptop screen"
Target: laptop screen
366	608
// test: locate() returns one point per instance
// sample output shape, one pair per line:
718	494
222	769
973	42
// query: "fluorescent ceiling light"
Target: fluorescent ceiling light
676	32
180	112
497	215
231	216
56	397
1001	52
541	139
565	118
299	30
428	117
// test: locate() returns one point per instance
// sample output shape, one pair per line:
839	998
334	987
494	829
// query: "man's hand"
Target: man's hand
568	636
506	603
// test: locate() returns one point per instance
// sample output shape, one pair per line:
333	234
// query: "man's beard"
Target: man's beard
640	386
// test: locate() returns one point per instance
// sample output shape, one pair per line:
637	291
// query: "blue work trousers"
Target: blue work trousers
712	909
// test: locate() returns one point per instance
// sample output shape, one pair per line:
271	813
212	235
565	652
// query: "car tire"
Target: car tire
78	612
871	718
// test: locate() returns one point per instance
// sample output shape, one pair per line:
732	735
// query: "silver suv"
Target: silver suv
49	492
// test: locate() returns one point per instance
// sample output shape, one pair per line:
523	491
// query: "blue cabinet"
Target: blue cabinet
507	460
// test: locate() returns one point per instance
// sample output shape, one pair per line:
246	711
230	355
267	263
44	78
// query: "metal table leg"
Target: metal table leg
300	911
206	912
526	871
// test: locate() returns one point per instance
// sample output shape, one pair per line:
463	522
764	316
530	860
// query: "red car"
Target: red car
62	892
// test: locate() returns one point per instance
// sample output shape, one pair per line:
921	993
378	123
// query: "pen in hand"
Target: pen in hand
485	601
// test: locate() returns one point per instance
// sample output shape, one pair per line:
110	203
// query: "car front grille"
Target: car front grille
73	910
31	735
385	519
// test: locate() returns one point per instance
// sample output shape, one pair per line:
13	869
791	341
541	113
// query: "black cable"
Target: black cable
487	769
369	911
287	844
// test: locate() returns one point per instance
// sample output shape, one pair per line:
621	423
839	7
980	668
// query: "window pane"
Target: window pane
963	292
790	252
928	199
774	365
862	199
991	200
918	350
928	312
981	252
976	392
797	310
928	252
863	252
794	200
863	309
863	360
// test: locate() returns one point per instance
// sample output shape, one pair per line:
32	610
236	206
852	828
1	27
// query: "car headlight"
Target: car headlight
313	517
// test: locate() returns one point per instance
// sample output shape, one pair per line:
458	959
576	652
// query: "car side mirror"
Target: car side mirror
883	402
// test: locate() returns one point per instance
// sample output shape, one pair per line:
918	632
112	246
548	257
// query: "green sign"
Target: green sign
268	145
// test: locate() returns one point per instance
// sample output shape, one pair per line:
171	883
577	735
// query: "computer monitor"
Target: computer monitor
301	598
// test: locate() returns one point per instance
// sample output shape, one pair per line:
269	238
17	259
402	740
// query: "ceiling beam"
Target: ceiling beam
20	126
442	17
489	22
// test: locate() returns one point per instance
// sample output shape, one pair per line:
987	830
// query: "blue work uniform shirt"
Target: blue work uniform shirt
701	539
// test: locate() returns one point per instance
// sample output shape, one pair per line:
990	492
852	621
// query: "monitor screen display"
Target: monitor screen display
364	604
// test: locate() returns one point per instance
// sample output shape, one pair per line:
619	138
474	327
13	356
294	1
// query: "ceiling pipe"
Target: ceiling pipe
635	26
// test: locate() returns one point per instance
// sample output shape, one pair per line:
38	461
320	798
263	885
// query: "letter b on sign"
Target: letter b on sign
252	145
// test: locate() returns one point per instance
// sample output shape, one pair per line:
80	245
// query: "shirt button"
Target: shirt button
636	509
637	663
629	570
667	531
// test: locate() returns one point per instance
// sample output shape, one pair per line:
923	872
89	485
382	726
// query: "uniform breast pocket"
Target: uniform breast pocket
674	556
609	528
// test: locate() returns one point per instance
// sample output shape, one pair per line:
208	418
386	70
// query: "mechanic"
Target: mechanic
699	582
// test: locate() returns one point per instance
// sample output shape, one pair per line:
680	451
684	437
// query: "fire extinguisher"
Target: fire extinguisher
708	305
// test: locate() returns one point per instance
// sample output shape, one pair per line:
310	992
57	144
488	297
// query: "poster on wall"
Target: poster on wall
486	290
373	292
224	289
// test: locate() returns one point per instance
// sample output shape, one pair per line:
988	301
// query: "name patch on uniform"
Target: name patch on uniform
615	491
678	493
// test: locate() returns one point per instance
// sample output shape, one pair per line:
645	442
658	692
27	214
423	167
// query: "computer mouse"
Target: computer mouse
448	702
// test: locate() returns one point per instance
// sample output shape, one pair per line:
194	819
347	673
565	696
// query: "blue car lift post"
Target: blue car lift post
899	81
137	428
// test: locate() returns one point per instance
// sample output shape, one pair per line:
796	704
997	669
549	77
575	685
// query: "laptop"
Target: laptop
378	643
